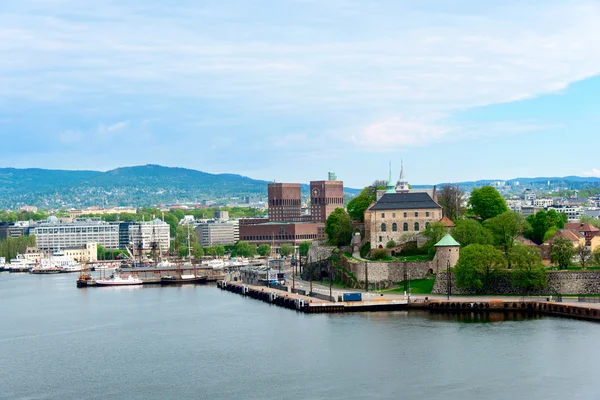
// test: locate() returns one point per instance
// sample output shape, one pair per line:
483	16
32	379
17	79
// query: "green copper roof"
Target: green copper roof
447	241
391	188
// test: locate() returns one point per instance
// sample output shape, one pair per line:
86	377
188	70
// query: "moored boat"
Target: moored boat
45	270
182	279
85	280
117	280
20	264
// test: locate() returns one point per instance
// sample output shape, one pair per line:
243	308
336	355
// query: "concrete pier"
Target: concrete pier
308	304
312	305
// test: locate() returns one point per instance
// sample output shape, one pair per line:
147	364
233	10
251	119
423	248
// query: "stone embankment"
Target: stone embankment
386	274
559	282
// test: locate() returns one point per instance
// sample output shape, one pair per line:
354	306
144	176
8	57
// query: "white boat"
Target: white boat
216	264
20	264
117	280
105	267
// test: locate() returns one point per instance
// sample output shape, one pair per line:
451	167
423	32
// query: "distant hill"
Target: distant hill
138	186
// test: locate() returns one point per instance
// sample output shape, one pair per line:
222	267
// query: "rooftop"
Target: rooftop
447	241
405	201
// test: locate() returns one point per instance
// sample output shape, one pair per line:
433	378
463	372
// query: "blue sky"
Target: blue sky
292	89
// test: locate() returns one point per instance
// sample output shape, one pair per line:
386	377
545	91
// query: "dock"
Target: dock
309	304
282	297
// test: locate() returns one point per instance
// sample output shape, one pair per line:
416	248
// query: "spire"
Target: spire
402	179
402	184
390	185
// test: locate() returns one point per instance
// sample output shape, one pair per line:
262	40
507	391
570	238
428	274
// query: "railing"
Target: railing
584	299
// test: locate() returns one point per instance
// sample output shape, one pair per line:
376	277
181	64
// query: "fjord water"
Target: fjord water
60	342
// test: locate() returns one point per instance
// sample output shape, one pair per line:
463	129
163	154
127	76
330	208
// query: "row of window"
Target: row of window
404	227
280	237
406	214
39	231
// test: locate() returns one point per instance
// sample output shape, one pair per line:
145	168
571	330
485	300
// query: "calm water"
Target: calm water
60	342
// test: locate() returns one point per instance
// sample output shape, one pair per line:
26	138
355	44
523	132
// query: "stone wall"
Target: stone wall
559	282
318	251
385	274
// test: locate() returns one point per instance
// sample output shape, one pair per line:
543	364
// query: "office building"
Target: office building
52	235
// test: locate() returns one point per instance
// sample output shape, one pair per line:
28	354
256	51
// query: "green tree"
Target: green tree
244	249
450	197
487	203
505	228
264	250
219	251
434	232
303	248
590	220
584	254
596	256
470	231
357	206
286	249
390	245
477	265
529	273
541	222
198	252
549	233
180	242
338	228
562	252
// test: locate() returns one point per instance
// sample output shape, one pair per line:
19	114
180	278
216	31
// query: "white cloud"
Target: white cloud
400	70
594	172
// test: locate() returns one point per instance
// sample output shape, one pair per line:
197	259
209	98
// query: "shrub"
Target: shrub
390	245
378	254
365	249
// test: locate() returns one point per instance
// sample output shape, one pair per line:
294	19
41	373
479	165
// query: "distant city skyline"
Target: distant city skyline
290	90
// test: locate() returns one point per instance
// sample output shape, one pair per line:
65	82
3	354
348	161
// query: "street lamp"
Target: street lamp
293	274
448	279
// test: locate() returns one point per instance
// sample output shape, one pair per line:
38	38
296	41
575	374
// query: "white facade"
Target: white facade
218	233
574	213
54	236
543	202
143	234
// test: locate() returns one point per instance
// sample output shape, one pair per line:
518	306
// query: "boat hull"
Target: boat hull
124	283
178	281
45	271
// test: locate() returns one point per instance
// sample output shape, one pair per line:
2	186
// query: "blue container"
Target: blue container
352	296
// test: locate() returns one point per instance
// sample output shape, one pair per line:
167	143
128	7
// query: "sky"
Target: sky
289	90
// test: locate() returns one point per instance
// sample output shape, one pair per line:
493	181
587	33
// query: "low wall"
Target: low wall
559	282
385	274
318	251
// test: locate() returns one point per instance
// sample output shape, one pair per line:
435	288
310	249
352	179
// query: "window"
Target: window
427	214
381	238
405	227
426	225
382	215
393	215
405	215
383	227
416	214
416	227
394	227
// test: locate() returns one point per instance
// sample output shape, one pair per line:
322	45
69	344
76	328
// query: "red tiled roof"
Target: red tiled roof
525	241
582	227
568	234
447	222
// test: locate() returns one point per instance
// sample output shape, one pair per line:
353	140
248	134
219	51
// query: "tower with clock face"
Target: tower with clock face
325	197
